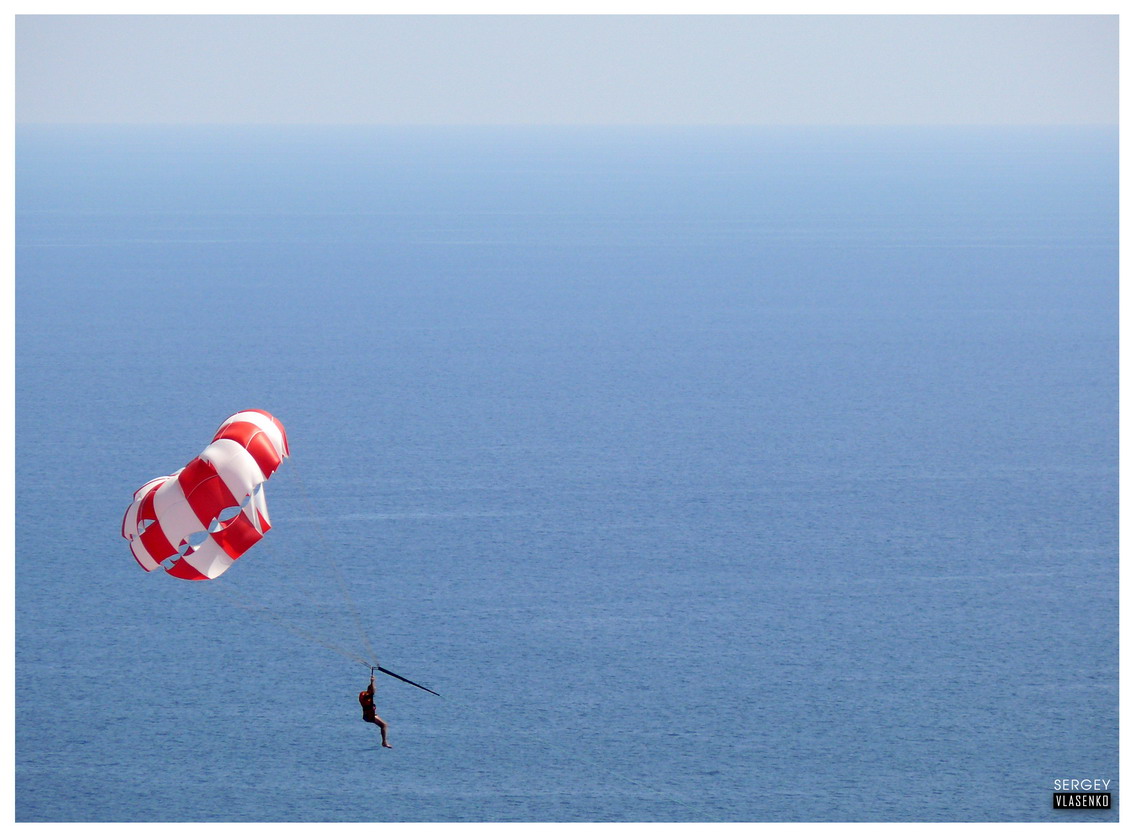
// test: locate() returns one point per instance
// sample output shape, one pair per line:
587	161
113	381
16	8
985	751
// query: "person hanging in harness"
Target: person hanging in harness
366	699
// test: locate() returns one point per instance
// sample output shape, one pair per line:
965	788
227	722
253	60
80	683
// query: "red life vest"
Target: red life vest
366	699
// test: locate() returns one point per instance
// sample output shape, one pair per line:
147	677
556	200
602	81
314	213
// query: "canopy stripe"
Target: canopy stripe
196	522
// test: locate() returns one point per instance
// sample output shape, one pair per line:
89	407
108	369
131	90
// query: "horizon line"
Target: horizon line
671	125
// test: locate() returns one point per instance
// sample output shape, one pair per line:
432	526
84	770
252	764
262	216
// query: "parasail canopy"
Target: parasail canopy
196	522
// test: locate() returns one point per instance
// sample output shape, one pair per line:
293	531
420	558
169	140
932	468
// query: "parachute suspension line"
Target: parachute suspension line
265	613
330	556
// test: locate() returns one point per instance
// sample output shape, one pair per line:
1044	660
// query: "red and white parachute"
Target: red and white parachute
197	521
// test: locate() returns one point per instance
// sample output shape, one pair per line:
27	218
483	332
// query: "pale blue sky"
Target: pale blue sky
806	70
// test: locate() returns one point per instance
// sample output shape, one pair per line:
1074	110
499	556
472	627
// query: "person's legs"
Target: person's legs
382	726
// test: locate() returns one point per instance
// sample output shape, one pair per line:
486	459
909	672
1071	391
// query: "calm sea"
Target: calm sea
709	475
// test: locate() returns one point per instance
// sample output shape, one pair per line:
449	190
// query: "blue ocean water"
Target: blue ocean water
709	475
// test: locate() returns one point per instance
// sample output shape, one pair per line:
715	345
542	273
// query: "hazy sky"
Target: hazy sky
568	69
